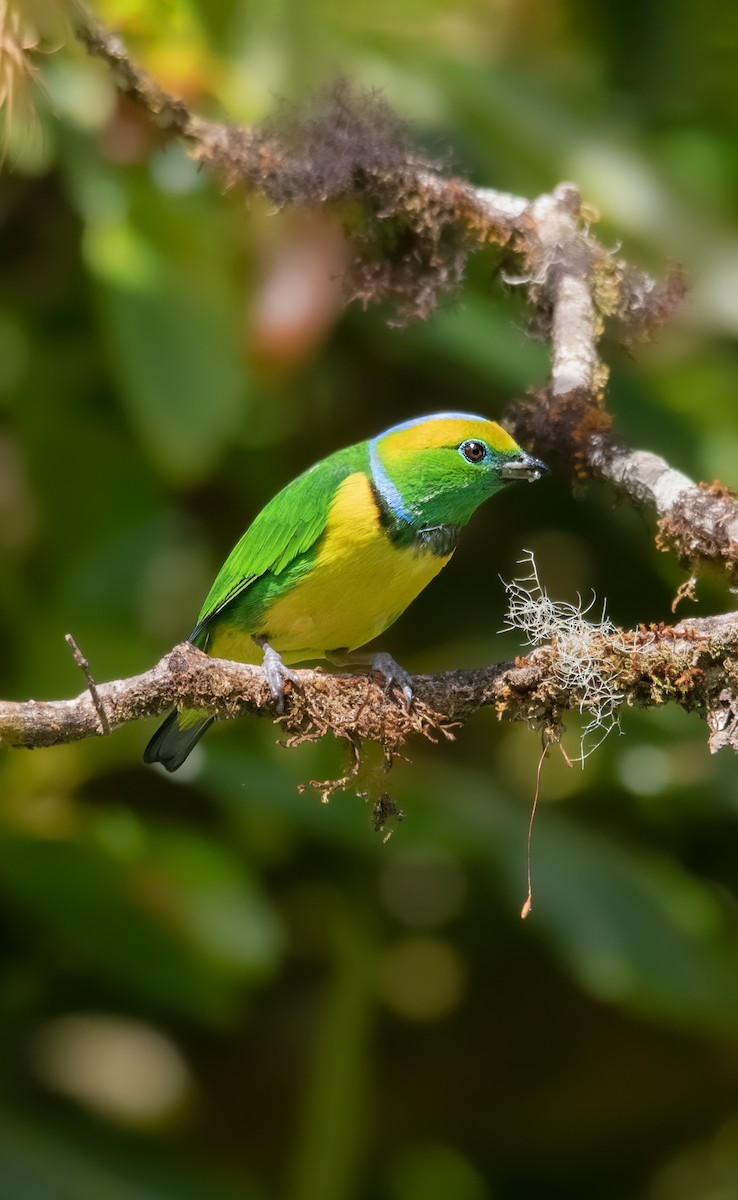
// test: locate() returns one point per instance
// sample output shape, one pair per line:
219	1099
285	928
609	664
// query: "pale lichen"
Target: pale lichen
587	664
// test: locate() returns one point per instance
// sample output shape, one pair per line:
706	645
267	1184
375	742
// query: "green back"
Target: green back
281	540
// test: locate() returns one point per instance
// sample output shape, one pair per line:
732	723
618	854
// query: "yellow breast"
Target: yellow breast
359	585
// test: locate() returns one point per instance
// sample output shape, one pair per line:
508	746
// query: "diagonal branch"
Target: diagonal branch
698	521
348	146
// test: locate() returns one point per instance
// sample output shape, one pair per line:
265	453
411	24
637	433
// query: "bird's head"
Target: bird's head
438	469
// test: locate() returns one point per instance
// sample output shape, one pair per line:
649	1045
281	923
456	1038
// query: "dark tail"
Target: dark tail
176	737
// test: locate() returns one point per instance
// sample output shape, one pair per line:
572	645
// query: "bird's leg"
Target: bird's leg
393	673
383	663
275	672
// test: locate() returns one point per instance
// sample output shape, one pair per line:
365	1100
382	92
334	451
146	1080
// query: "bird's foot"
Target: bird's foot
393	673
275	672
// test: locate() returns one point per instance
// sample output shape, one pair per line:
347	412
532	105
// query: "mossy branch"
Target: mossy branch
416	225
693	664
698	521
410	241
411	229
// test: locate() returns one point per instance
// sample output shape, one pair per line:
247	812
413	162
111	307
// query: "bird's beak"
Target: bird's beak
523	466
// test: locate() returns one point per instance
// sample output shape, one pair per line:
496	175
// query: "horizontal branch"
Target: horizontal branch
691	664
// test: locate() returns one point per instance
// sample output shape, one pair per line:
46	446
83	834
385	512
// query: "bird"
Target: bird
337	555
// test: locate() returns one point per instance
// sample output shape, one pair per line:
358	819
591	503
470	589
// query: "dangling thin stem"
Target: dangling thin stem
529	898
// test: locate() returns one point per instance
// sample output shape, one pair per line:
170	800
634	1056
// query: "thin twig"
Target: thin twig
84	667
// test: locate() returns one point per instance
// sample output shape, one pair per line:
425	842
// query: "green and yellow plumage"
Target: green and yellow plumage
340	552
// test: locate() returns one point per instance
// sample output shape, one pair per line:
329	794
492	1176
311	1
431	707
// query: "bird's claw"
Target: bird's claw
275	673
393	673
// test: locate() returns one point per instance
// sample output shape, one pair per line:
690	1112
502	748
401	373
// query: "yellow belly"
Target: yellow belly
359	585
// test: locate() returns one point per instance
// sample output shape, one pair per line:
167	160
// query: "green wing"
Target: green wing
287	527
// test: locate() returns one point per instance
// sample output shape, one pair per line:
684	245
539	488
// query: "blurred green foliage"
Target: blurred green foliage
269	1000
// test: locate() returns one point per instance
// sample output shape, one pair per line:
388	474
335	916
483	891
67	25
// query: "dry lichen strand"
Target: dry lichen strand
410	243
598	667
641	677
637	304
368	717
644	306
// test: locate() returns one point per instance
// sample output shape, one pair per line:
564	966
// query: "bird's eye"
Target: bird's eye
473	452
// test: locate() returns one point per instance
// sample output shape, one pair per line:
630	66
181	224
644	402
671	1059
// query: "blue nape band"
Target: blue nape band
388	490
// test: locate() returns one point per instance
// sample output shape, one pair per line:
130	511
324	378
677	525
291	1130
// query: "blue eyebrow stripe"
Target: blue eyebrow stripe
388	491
441	416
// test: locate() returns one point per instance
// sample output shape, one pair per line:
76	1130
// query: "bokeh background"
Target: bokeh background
211	985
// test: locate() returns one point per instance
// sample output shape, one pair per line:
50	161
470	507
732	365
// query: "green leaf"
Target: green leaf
39	1161
632	927
115	921
170	328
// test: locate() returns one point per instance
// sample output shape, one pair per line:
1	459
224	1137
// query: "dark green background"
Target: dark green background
348	1019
